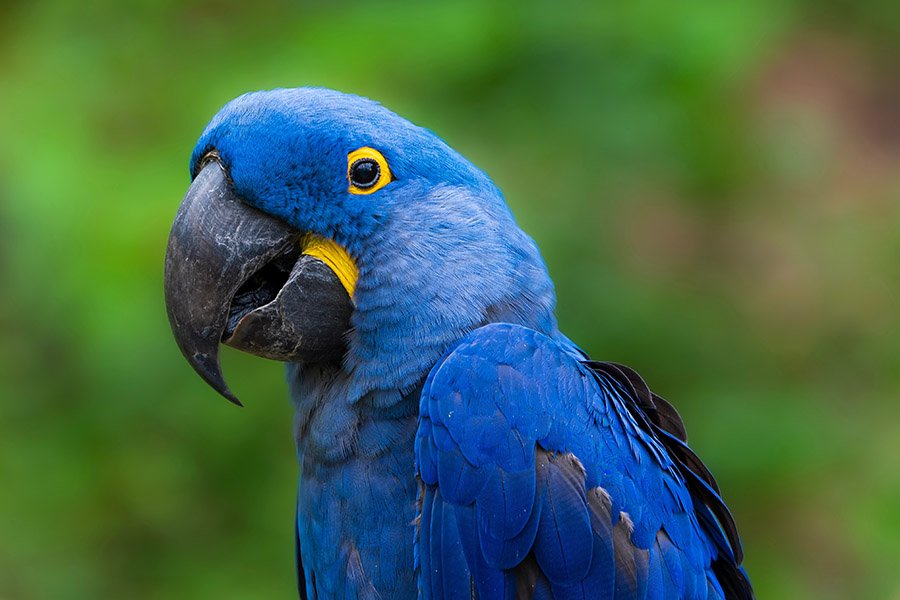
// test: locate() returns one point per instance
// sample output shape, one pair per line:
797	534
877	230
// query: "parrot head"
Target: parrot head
320	227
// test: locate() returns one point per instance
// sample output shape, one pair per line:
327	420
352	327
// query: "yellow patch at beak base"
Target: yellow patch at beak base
337	259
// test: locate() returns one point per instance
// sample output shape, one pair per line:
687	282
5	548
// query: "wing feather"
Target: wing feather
547	477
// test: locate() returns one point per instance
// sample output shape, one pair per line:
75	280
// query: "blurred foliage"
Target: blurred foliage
714	186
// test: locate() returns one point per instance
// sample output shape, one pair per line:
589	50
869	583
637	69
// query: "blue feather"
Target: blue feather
538	473
583	433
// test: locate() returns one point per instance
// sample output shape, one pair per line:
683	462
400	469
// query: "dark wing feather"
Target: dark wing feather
652	407
660	419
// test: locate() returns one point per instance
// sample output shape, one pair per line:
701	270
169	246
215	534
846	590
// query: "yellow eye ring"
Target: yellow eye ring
367	171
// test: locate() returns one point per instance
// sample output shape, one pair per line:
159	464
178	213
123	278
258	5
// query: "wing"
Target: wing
543	476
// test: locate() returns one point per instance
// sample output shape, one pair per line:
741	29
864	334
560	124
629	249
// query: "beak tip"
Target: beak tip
232	398
206	364
218	384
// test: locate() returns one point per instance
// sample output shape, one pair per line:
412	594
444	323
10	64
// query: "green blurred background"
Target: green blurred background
715	187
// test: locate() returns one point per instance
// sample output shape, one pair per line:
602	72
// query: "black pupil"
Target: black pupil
364	172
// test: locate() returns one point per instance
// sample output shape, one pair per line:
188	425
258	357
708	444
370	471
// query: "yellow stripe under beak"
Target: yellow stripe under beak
335	257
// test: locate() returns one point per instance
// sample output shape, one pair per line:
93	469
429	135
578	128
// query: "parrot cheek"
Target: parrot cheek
235	275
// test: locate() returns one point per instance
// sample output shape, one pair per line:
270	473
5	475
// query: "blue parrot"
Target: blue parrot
453	442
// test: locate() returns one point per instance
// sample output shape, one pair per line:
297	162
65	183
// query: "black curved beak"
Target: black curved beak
237	276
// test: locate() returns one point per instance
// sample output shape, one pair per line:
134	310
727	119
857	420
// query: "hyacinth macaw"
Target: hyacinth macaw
453	442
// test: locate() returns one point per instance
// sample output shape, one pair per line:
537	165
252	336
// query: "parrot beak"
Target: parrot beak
237	276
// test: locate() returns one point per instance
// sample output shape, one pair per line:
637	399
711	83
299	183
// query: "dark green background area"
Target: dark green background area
715	187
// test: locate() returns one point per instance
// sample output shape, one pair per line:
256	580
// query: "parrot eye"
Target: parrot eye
364	172
367	171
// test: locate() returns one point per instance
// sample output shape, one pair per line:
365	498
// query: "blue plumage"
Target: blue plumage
574	480
464	447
